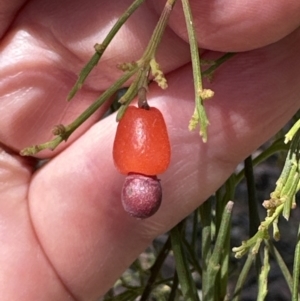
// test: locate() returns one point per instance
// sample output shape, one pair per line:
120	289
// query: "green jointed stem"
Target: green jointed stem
255	241
95	106
186	281
192	256
174	287
263	277
282	198
214	261
277	146
199	115
100	48
69	129
254	219
155	269
217	63
296	269
282	265
193	45
159	30
147	61
289	196
243	277
292	132
222	197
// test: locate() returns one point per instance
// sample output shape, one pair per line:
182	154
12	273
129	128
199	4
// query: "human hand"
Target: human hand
64	234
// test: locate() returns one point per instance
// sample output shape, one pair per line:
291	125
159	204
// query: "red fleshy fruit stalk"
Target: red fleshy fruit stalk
141	151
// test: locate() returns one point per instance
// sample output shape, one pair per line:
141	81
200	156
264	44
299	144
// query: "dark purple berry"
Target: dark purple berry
141	195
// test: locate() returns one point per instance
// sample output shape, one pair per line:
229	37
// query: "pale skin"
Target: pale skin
64	234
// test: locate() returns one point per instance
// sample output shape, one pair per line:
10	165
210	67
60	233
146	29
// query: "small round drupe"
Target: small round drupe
141	195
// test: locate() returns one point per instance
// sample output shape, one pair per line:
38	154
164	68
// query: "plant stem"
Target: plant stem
222	198
217	63
263	277
243	276
174	287
199	115
100	48
155	269
277	146
205	218
159	30
214	261
296	269
146	63
282	265
187	284
69	129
